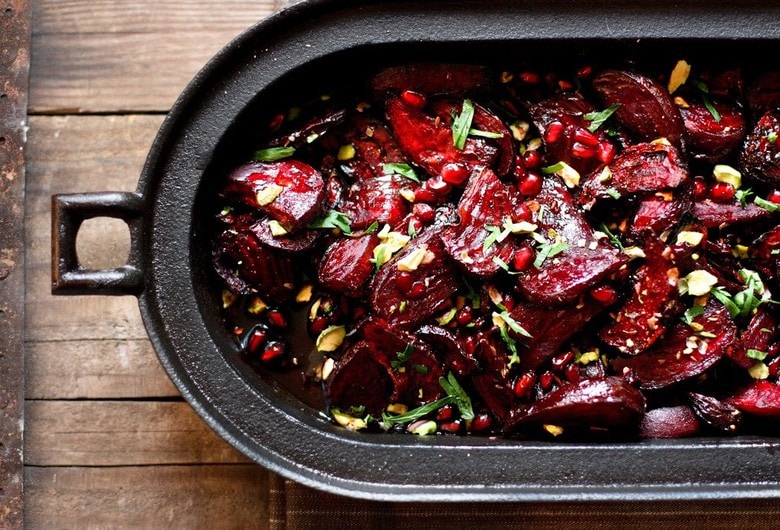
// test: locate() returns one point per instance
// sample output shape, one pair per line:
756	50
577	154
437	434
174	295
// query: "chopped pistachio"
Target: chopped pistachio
680	102
411	261
407	194
697	283
679	75
588	357
304	294
268	194
397	408
447	317
331	338
727	174
759	371
555	430
256	306
690	237
346	152
534	144
228	298
522	227
634	252
570	176
327	368
605	175
423	427
277	230
519	130
741	251
347	421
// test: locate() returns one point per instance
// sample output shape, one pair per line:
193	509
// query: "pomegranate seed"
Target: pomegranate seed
425	195
572	373
454	173
481	422
582	151
415	99
524	384
276	122
559	361
523	213
438	186
451	426
584	136
532	185
531	78
425	212
318	325
584	72
532	159
546	380
722	192
276	319
523	258
604	294
255	340
511	107
554	132
606	152
274	352
774	196
463	316
445	413
509	303
417	291
699	188
520	171
565	85
405	281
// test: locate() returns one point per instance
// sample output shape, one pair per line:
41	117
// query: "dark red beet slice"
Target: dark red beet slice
491	382
295	243
565	132
292	191
716	414
682	354
645	167
762	252
757	336
669	422
315	127
247	266
652	301
345	266
646	108
378	200
449	348
764	92
374	146
660	211
406	298
359	379
760	157
711	140
608	402
550	328
759	398
718	214
487	121
581	265
432	79
486	202
428	140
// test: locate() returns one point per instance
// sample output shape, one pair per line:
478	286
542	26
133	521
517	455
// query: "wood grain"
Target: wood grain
112	433
108	56
191	497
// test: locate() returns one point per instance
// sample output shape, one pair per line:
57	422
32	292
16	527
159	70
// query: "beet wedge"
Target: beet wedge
653	300
718	415
669	422
608	402
759	398
645	107
709	139
760	157
718	214
376	200
345	266
683	354
580	261
289	191
359	379
374	146
661	211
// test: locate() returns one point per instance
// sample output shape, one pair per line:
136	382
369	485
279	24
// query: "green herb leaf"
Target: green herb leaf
549	170
756	354
416	414
380	257
513	324
771	137
461	125
484	134
373	227
503	264
333	219
462	400
743	196
405	170
548	250
402	357
494	232
597	119
692	313
411	232
725	298
706	99
767	205
613	239
272	154
420	368
511	344
612	192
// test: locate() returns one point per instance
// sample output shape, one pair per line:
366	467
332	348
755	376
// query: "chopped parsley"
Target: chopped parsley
273	154
549	170
597	119
402	357
333	219
513	324
705	97
461	125
503	264
743	196
771	137
379	260
743	303
373	227
692	313
511	344
613	239
612	192
405	170
496	235
548	250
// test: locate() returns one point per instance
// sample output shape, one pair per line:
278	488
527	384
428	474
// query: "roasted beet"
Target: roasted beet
646	108
449	348
608	402
374	146
712	139
314	127
358	379
669	422
295	243
289	191
759	398
716	414
491	381
683	353
764	92
346	267
660	211
757	337
376	199
760	158
718	214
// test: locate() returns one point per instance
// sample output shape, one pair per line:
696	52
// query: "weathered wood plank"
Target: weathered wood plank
113	433
215	496
80	153
95	369
109	56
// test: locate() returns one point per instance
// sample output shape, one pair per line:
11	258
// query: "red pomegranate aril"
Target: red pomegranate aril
585	137
584	72
276	318
450	426
255	340
438	186
318	325
417	291
276	122
405	281
722	192
445	413
559	361
581	150
532	185
532	159
464	315
454	173
572	373
425	195
415	99
546	380
531	78
774	196
274	352
481	422
523	258
606	152
565	85
509	303
700	189
604	294
523	213
554	132
524	384
425	212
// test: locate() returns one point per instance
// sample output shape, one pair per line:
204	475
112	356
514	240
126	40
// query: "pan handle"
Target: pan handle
68	212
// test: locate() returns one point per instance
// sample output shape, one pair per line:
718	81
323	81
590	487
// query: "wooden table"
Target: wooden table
108	440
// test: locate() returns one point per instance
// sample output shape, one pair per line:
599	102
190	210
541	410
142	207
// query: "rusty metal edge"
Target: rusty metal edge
15	30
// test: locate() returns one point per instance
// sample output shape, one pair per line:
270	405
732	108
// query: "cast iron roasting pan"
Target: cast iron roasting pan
331	42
